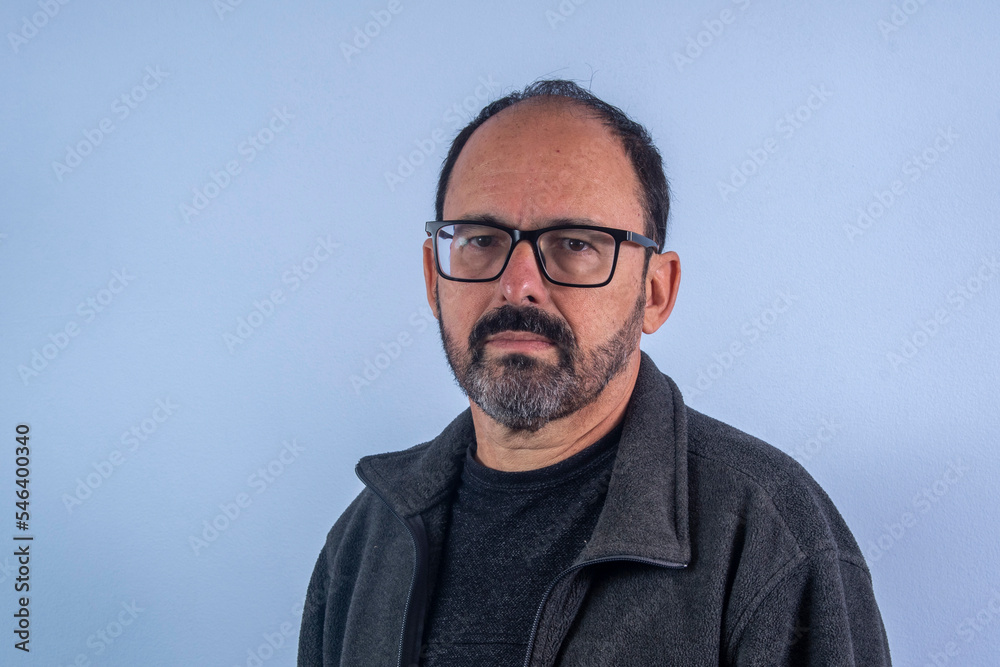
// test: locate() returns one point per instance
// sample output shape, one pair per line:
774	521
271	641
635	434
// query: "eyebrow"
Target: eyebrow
487	217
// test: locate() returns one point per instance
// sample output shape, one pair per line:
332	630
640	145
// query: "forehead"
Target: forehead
540	161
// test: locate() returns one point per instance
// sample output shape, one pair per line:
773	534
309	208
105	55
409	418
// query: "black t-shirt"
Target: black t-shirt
510	535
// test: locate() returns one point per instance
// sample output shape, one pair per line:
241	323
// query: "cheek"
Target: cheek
596	319
461	307
586	314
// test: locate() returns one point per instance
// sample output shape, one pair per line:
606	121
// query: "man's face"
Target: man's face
527	351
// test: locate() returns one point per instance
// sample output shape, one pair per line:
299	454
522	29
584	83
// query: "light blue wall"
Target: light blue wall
890	83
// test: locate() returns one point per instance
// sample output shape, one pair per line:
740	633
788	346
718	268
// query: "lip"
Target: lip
519	341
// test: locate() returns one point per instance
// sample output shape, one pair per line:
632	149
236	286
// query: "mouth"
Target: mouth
519	341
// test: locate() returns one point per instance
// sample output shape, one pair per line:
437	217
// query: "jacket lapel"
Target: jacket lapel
415	479
645	513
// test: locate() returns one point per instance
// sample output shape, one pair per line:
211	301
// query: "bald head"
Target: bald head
559	101
545	159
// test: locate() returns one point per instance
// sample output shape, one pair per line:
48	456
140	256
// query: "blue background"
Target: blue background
879	373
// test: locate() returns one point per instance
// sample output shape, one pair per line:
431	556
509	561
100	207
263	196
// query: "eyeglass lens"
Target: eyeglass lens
572	255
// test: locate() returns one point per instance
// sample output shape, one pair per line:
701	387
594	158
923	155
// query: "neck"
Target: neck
501	448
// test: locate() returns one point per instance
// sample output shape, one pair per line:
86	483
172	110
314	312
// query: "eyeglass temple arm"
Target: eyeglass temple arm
644	241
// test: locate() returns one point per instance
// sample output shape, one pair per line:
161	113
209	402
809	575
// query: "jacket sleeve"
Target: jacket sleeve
320	635
820	610
314	615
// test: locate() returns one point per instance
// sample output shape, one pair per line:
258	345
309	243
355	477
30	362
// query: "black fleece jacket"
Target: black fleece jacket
712	548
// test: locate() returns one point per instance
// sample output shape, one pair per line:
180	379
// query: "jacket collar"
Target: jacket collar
645	513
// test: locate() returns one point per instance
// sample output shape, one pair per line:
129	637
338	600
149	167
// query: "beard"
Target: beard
523	393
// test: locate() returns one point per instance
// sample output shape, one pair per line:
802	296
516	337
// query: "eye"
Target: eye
478	242
572	245
482	241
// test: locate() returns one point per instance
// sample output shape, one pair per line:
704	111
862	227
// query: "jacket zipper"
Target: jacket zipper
552	584
416	568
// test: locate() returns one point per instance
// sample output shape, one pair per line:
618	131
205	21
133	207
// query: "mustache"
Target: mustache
531	320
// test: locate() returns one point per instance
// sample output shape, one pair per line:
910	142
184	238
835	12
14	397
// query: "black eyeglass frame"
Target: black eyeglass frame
531	236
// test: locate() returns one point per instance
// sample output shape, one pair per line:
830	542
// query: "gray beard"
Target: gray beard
524	394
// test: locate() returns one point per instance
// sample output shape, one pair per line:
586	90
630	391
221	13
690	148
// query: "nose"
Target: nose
521	281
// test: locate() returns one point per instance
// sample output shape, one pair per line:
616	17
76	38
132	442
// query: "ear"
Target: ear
430	277
662	281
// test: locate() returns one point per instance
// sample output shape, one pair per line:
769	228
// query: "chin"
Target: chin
517	361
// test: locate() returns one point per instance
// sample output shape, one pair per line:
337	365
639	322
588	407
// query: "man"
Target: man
578	513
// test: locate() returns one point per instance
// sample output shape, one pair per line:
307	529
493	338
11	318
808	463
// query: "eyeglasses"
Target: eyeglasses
569	255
